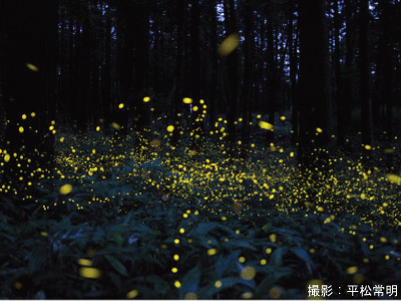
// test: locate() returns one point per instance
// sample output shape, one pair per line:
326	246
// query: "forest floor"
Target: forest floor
159	223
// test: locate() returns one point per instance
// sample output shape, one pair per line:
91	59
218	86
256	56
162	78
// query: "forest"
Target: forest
200	149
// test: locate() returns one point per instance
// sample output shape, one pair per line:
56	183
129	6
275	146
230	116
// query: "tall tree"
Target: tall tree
29	90
338	77
248	77
387	75
364	92
271	74
212	97
292	41
197	124
232	73
141	34
177	90
349	70
314	91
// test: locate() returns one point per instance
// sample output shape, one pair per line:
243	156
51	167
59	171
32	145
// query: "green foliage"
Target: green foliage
174	227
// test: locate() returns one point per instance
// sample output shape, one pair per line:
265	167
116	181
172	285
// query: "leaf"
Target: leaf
223	265
190	282
203	228
264	287
117	265
37	258
118	239
208	291
240	243
128	218
266	227
301	253
276	258
143	229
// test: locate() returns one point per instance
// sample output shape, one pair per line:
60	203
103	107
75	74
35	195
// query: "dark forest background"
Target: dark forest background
199	149
329	65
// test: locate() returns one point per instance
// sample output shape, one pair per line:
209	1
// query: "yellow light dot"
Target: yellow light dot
191	296
21	129
132	294
211	252
121	105
357	278
352	270
268	250
241	259
146	99
218	284
247	295
65	189
265	125
319	130
32	67
182	230
282	118
170	128
248	273
263	262
176	241
187	100
17	285
23	116
275	292
174	270
177	284
91	273
273	237
116	126
85	262
176	257
229	44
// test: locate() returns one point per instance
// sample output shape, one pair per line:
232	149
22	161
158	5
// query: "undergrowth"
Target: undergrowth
118	221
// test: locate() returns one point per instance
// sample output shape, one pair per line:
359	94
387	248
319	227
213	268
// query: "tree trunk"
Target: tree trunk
293	75
314	95
272	78
366	105
339	87
248	78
